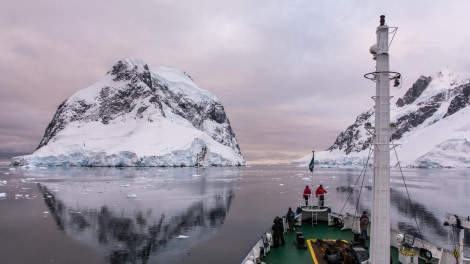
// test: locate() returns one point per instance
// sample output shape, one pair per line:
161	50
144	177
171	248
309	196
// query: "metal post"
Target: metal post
380	219
461	243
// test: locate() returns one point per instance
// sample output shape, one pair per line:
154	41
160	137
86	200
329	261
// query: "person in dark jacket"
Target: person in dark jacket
290	216
280	225
276	232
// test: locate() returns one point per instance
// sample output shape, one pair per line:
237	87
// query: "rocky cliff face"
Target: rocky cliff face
430	100
131	91
353	140
415	91
460	100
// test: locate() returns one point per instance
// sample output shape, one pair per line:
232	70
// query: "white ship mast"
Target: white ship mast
380	218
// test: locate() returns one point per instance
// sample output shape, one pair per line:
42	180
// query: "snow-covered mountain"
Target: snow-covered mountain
432	128
139	116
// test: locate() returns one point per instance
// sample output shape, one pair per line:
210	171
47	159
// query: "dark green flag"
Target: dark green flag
311	165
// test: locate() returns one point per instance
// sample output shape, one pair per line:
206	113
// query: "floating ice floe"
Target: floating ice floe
182	236
3	195
125	185
131	195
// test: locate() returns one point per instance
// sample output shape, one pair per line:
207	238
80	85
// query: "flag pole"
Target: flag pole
312	165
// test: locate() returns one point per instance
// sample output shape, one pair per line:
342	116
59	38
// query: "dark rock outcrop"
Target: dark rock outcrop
415	91
356	139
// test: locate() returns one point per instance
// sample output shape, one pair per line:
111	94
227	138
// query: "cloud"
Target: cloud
289	74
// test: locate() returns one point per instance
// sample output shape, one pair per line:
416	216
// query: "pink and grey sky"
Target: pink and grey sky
289	73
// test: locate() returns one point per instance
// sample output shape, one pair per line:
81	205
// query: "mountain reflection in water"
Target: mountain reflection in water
133	234
171	215
415	217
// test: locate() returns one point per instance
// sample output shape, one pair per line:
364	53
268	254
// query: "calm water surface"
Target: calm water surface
190	215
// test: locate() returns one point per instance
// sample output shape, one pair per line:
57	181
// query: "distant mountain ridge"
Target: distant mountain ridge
432	127
139	116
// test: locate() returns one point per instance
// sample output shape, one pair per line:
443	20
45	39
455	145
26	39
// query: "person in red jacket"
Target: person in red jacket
320	193
307	193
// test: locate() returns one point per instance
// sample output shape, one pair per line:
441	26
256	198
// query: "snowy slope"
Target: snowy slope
432	128
139	116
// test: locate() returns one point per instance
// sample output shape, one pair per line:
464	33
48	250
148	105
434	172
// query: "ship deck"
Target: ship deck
289	253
